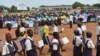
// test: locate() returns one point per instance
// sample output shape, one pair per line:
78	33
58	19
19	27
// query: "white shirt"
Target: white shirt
6	49
90	43
55	47
71	18
28	44
80	30
78	40
55	40
98	30
55	29
22	29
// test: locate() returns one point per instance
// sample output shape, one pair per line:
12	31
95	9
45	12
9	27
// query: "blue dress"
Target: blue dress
55	52
32	52
77	50
87	51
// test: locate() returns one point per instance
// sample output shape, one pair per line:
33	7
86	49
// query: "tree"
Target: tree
77	4
96	5
28	8
13	9
4	7
42	6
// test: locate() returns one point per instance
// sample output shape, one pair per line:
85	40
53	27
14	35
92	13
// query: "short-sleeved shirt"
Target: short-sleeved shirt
46	30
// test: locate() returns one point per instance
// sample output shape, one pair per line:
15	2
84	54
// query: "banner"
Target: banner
22	6
14	23
30	23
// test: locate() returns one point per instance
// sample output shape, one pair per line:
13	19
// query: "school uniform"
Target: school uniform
55	32
80	31
98	32
9	49
71	21
55	48
88	47
98	48
22	38
30	48
77	42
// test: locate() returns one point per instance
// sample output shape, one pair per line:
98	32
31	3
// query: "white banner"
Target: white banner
22	6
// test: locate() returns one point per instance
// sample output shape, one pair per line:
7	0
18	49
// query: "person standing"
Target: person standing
71	20
22	38
77	42
55	48
30	47
98	40
10	48
88	45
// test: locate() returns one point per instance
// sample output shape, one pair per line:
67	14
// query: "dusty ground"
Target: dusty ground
67	32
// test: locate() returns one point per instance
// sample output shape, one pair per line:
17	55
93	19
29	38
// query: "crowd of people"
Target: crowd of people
82	42
52	17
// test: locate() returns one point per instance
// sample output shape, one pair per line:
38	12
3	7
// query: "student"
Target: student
56	35
88	45
71	21
55	48
45	37
9	27
98	40
98	31
10	48
17	31
77	42
46	34
79	28
30	47
22	39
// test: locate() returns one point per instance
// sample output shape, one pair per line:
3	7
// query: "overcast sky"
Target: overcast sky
36	3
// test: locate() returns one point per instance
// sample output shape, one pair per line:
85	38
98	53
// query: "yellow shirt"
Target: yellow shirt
46	30
63	17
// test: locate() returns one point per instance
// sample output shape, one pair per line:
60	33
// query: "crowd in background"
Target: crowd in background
52	17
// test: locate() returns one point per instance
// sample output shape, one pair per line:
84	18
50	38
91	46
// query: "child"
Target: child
10	48
77	42
56	35
98	32
98	40
30	47
17	32
22	39
45	37
55	48
88	45
80	29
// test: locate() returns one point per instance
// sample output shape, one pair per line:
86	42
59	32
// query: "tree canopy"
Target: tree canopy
77	4
96	5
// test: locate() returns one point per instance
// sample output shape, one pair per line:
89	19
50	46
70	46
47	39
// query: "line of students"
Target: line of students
10	48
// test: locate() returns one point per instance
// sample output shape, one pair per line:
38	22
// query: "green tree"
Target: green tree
28	8
13	9
96	5
4	7
77	4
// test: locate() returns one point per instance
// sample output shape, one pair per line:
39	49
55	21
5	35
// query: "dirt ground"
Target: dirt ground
67	32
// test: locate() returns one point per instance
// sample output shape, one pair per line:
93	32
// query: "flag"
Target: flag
22	6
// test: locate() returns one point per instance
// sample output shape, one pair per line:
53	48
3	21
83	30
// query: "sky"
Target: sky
37	3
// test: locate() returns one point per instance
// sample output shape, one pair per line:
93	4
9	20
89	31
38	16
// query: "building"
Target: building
55	8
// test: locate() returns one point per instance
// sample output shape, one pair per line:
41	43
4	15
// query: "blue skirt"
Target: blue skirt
77	51
23	43
32	53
